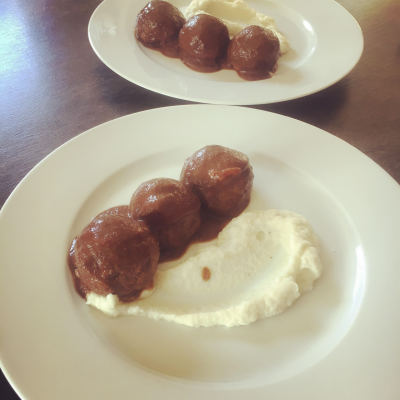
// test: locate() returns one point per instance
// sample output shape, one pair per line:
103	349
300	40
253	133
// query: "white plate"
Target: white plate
326	44
340	341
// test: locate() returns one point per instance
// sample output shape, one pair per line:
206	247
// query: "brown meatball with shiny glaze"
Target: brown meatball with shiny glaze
115	254
254	53
158	25
169	208
203	41
221	177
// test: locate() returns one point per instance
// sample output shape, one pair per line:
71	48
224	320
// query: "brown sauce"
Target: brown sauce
206	274
210	227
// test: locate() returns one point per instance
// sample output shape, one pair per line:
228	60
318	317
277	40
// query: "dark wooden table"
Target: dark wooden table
53	87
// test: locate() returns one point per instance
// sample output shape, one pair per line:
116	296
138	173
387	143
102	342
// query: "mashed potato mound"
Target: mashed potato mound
236	15
262	262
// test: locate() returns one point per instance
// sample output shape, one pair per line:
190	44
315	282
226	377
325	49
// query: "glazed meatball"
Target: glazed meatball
222	179
115	254
254	53
203	42
169	208
158	25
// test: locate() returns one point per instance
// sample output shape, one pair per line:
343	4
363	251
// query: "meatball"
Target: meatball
254	53
115	254
203	42
169	208
158	25
222	179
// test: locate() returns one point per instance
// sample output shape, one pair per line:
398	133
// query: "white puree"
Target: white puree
262	262
236	15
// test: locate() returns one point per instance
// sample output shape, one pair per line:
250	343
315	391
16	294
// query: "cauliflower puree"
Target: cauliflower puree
262	262
236	15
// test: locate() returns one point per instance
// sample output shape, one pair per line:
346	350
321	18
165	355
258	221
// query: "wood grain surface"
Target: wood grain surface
53	87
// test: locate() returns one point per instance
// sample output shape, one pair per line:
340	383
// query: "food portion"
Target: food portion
169	209
236	15
158	25
222	178
254	53
203	42
262	262
116	255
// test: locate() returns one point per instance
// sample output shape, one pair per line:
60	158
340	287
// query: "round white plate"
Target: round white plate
339	341
326	44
